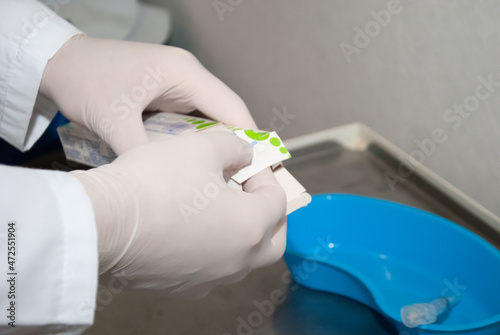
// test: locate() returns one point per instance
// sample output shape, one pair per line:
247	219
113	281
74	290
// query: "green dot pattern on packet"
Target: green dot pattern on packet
275	141
205	125
261	136
199	123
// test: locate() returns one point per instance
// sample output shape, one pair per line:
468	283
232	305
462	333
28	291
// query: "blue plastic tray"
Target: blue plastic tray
387	255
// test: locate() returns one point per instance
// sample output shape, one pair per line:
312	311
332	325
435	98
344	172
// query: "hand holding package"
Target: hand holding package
168	221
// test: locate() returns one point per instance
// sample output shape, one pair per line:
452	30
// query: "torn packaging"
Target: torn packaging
82	146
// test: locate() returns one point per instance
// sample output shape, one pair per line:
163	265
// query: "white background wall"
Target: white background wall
286	54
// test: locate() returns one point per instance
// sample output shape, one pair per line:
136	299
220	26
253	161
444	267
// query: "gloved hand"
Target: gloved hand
167	220
105	85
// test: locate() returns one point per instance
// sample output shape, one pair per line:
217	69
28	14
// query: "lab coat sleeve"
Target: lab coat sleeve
48	253
30	34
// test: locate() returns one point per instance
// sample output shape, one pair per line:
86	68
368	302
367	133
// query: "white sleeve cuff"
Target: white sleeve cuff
30	34
56	262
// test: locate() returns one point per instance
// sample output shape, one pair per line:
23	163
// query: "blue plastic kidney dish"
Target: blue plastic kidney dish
398	260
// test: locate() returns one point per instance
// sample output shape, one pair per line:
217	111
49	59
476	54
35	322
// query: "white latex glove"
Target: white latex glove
105	85
167	220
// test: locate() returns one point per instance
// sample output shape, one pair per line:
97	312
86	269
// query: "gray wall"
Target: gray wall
286	54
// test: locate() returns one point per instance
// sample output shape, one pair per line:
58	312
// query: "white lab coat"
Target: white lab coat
55	264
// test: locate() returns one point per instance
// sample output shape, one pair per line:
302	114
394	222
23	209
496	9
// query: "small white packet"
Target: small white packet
82	146
268	150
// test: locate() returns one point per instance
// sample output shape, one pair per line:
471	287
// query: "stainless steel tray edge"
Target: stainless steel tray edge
358	136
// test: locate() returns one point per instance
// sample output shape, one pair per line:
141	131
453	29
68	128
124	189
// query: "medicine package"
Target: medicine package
83	146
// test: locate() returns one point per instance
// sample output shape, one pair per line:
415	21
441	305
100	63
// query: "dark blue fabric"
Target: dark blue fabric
49	141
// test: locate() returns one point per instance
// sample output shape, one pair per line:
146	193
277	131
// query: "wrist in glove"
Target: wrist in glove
167	220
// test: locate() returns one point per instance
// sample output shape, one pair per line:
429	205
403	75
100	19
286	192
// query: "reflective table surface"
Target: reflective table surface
267	302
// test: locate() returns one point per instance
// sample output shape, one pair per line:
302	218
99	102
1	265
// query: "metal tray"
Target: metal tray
355	159
349	159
